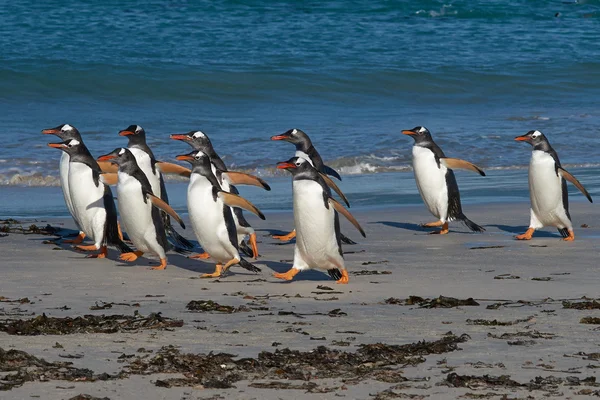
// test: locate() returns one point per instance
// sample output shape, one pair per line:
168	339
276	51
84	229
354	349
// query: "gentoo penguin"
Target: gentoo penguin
209	207
436	182
152	168
91	199
139	208
548	188
66	132
318	238
306	150
199	141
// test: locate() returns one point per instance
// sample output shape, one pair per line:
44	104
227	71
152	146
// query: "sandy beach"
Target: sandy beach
507	332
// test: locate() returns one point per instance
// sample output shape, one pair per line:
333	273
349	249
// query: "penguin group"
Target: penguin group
215	206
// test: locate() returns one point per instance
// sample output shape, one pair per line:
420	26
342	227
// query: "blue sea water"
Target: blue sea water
351	74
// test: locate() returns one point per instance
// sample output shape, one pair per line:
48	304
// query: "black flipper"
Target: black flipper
245	249
331	172
111	227
180	244
470	224
335	273
564	232
249	266
346	239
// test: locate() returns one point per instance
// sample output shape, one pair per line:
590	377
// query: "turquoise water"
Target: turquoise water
350	74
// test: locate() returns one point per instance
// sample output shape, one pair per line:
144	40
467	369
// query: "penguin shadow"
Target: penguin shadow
268	233
518	230
417	228
309	275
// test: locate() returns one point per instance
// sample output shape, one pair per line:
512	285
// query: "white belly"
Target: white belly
63	169
208	222
143	160
315	227
431	181
87	201
545	189
136	216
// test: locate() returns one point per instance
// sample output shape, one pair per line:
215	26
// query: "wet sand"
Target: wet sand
516	321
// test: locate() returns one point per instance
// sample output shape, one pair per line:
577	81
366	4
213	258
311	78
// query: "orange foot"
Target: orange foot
203	256
288	276
286	238
90	247
254	246
442	231
77	240
344	279
163	264
432	224
216	274
102	254
527	235
571	236
130	257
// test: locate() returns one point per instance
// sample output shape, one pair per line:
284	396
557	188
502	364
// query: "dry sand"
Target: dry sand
545	351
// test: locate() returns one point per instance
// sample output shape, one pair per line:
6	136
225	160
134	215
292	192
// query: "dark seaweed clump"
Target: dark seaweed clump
213	306
439	302
548	383
371	361
582	305
44	325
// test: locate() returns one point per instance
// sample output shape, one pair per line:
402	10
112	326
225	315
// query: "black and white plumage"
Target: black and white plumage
91	199
436	181
318	237
140	209
211	215
145	159
548	188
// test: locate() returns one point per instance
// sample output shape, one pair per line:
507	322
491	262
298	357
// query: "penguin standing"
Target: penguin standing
436	181
211	215
140	208
66	132
306	150
91	199
199	141
548	188
318	237
152	169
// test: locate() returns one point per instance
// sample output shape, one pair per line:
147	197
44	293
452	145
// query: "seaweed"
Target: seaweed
590	320
439	302
495	322
582	305
369	272
212	306
88	397
44	325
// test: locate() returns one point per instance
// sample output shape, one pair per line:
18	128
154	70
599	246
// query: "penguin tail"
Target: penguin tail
246	249
112	238
176	239
335	273
564	232
470	224
345	239
249	266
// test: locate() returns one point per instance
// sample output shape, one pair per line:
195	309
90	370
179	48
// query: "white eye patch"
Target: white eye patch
294	131
138	128
536	134
422	129
73	142
199	134
66	127
121	152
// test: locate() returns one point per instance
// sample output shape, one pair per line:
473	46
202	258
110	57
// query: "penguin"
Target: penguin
67	132
318	237
199	141
548	188
152	168
306	150
211	215
92	200
140	208
436	181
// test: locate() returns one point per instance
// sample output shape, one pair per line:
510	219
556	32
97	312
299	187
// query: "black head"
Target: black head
200	161
197	139
295	165
295	136
536	139
64	132
419	133
135	133
120	156
70	146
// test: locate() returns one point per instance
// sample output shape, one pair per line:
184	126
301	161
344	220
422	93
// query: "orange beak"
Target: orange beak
285	165
279	137
408	132
50	131
126	133
522	138
56	145
106	158
180	137
184	157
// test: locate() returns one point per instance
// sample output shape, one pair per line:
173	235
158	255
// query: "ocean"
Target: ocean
350	74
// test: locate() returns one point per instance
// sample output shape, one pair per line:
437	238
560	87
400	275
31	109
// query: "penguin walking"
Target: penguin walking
436	181
318	237
140	209
66	132
548	188
199	141
152	169
92	200
306	150
211	215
